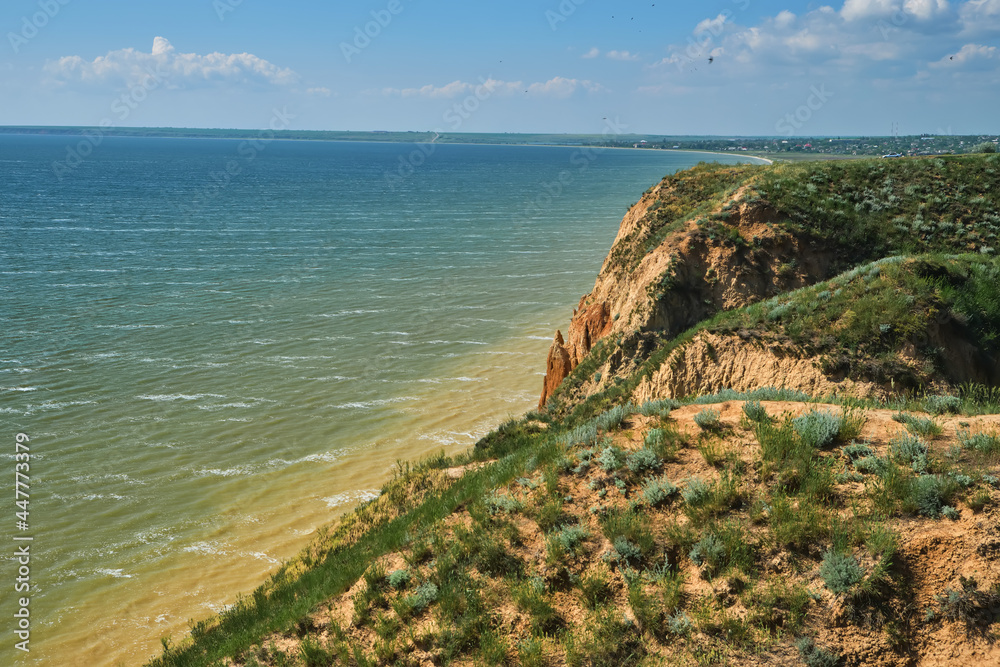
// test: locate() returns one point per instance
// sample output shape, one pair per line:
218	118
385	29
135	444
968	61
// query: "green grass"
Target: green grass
289	594
857	323
681	197
798	498
875	206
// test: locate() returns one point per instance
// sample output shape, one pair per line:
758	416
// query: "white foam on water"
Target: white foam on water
349	497
205	548
132	327
117	574
169	398
96	496
325	457
368	405
228	472
62	405
260	555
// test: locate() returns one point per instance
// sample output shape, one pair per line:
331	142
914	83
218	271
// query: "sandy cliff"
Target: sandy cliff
703	266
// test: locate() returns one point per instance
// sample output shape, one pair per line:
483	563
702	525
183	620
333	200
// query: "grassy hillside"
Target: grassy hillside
769	527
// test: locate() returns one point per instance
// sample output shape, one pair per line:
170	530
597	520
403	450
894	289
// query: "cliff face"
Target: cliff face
729	257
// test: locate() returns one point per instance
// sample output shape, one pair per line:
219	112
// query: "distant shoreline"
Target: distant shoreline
572	141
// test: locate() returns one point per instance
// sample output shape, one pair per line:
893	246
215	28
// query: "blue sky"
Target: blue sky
746	67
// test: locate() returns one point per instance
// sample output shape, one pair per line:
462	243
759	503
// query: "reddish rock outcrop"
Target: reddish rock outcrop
557	368
590	323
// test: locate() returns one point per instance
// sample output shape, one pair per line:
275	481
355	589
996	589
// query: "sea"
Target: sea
216	346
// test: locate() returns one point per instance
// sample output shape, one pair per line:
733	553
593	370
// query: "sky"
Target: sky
722	67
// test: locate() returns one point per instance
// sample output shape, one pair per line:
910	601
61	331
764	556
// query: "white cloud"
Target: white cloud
555	87
562	87
922	10
319	92
980	16
855	10
970	54
593	53
714	26
925	10
130	67
622	55
784	19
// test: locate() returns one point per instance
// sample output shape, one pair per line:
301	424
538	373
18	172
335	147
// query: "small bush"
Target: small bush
625	552
755	412
924	426
498	503
570	539
939	405
778	394
815	656
399	579
840	573
680	624
857	450
631	526
661	408
710	553
968	605
871	465
611	459
424	596
657	492
584	435
909	450
664	442
644	460
963	480
708	420
929	495
614	417
655	437
985	147
696	492
985	443
817	428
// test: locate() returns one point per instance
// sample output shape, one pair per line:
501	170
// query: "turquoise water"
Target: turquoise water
211	366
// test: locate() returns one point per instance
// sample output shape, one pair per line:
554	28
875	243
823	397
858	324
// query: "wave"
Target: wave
367	405
349	497
117	574
169	398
